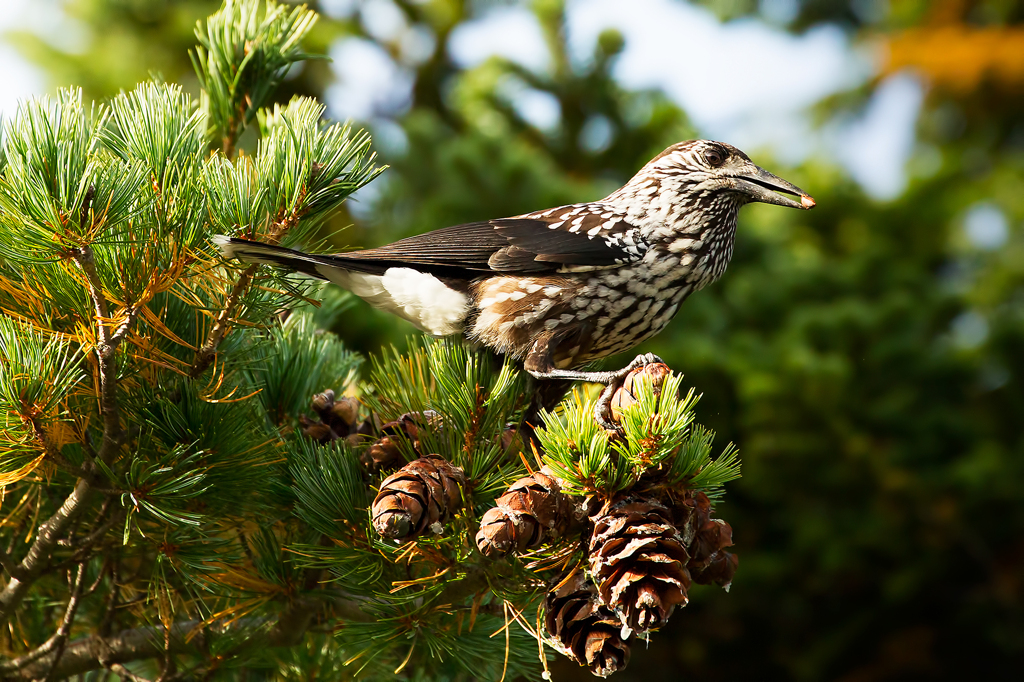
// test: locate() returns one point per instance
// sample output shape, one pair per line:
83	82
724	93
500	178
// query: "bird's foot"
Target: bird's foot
602	409
640	361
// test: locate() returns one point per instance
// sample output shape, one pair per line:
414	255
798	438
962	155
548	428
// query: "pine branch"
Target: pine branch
60	638
36	561
106	348
285	630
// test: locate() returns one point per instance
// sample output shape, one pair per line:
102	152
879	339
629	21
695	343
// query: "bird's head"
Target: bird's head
712	168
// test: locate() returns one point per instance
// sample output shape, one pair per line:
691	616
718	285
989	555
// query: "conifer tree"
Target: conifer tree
197	482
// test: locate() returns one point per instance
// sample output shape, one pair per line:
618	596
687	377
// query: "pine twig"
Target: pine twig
8	564
35	562
285	630
222	325
124	673
106	348
103	630
69	618
59	639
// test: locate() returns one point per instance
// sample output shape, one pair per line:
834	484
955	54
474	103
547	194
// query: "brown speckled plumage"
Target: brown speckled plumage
561	287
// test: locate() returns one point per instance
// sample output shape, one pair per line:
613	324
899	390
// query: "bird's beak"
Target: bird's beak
760	185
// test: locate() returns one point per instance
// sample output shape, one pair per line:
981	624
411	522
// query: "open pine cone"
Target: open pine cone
706	539
533	508
418	497
584	629
638	561
339	418
628	394
385	453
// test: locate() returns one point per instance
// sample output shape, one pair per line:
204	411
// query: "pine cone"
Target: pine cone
385	452
720	570
420	495
627	395
316	431
533	507
706	539
338	417
638	560
584	629
511	440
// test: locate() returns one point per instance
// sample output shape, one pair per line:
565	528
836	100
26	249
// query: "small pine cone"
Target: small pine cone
627	395
585	630
338	418
419	496
706	538
720	570
316	431
341	414
322	402
385	452
531	509
638	561
382	454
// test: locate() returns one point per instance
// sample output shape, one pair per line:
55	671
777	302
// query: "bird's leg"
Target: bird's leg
541	366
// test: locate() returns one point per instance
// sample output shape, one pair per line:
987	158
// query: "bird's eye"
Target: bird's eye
714	157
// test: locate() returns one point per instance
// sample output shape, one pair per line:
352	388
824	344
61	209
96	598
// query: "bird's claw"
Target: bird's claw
640	361
602	409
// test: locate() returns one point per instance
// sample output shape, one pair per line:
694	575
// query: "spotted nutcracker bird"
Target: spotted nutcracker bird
562	287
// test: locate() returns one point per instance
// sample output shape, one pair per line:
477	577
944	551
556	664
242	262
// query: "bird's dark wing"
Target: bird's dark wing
568	237
459	247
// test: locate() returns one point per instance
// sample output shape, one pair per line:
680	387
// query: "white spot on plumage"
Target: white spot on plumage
418	297
680	245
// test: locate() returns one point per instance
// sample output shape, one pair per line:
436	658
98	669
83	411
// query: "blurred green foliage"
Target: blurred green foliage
868	357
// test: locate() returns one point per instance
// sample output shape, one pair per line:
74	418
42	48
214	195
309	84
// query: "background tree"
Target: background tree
866	354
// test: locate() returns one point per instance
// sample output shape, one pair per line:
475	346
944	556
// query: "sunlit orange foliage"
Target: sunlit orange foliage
961	57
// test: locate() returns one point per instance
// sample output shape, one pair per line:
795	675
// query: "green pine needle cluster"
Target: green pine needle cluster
243	55
659	440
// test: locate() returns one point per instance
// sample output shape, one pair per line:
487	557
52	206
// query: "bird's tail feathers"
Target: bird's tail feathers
258	252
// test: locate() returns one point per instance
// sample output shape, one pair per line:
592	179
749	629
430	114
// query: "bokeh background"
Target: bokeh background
867	356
